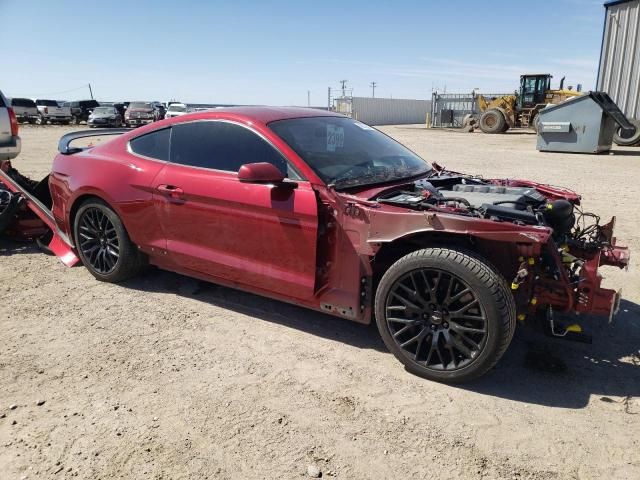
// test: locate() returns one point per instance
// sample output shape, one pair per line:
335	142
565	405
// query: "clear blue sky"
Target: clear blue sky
272	52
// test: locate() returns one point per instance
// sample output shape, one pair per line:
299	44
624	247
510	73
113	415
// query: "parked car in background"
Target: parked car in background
176	109
50	111
9	139
140	113
119	106
104	117
81	109
25	109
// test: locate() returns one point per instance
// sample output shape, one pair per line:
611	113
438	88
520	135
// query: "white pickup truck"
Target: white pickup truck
9	139
25	109
50	111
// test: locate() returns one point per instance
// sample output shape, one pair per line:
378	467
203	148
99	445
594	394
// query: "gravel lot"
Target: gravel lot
166	377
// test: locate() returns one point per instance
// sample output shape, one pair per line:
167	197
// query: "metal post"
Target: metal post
344	86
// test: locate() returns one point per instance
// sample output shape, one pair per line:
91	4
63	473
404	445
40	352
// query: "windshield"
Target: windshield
144	105
348	153
177	108
103	110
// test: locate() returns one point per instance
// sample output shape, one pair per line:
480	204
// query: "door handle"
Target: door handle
171	191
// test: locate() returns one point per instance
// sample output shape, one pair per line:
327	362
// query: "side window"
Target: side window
222	146
153	145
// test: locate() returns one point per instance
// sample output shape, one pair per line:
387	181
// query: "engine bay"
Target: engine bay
473	196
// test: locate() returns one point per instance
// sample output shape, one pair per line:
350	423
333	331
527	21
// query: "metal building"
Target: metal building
389	111
619	71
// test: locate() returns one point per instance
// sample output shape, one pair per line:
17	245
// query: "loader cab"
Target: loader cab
532	89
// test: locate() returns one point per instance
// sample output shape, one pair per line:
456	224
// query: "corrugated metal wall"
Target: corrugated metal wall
389	111
619	72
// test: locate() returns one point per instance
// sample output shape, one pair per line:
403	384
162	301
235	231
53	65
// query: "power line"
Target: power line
63	91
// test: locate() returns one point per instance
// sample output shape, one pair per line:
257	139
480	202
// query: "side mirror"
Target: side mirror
260	173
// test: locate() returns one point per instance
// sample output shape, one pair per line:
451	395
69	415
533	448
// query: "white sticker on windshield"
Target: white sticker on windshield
363	126
335	137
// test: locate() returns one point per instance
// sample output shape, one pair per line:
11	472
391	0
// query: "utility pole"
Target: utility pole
344	86
373	88
329	98
308	98
90	91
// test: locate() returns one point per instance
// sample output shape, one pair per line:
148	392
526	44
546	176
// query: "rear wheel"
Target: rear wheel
628	140
104	245
446	315
492	121
41	120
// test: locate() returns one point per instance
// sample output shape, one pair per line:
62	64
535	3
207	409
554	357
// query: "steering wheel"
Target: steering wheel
345	172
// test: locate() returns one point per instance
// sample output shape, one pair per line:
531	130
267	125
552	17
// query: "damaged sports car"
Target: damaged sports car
323	211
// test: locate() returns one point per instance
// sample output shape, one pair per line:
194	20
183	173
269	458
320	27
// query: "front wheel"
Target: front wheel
493	121
445	314
104	245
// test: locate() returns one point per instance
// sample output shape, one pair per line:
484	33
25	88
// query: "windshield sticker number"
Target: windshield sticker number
335	137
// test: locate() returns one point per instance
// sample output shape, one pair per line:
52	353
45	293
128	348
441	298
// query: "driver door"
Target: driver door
256	235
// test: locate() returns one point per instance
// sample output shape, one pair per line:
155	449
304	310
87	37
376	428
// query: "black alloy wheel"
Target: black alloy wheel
98	240
436	319
103	243
446	314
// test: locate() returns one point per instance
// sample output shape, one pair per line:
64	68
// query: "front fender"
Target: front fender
387	226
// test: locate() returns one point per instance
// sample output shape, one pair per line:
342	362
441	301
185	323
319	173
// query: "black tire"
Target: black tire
492	121
65	122
628	140
32	121
103	244
41	120
468	340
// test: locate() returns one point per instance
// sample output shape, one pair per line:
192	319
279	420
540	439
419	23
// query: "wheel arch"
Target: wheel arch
501	256
81	199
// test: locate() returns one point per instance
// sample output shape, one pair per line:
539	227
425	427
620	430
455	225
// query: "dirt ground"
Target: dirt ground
165	377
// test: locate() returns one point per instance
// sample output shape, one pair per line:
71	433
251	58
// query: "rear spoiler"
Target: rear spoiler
65	140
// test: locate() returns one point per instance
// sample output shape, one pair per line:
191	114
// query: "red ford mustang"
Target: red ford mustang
323	211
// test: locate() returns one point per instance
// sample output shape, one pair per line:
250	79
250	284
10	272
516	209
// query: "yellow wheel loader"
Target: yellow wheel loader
521	109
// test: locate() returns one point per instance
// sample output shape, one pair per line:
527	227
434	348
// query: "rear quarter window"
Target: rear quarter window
153	145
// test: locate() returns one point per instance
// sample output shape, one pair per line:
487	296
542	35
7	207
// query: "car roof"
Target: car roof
265	114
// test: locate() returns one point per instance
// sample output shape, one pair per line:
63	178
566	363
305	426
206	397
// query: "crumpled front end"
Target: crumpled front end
567	277
536	235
